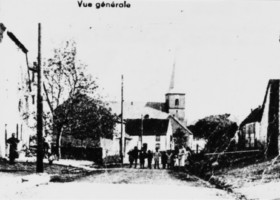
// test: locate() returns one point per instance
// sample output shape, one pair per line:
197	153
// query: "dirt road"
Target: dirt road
125	183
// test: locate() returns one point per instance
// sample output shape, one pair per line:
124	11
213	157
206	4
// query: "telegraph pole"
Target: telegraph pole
122	134
40	153
141	138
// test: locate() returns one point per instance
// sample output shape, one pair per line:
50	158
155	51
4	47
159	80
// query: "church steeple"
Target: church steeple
171	86
174	99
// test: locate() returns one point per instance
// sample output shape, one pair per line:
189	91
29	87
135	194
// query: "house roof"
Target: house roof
150	127
134	110
157	105
180	125
254	116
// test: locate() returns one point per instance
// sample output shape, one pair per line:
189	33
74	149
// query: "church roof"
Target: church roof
175	91
157	105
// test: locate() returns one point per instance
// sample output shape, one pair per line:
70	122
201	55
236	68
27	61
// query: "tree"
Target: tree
84	118
180	138
64	77
217	130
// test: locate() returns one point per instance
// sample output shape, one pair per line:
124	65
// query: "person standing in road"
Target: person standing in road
13	148
142	157
169	159
182	156
130	158
157	156
150	158
135	156
163	159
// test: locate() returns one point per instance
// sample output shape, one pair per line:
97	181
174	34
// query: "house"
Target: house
152	124
150	134
249	130
13	73
261	128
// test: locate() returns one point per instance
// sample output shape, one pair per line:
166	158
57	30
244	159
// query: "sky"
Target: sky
225	52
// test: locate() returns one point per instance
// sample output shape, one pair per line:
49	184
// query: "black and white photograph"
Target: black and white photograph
131	99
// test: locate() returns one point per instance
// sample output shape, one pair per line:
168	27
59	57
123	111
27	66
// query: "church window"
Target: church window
176	102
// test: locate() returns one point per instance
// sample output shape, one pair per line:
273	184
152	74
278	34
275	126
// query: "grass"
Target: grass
254	174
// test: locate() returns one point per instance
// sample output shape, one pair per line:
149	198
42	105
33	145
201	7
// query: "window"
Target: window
33	99
176	102
157	138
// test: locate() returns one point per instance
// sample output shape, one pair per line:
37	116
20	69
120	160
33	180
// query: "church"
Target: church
150	124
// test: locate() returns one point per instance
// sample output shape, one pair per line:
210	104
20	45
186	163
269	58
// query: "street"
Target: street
120	184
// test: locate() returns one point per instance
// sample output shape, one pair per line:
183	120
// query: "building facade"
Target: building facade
261	128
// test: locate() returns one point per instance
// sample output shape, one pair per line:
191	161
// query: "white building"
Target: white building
150	124
261	128
12	76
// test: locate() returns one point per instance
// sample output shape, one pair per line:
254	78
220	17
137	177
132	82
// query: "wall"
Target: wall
273	119
109	147
251	134
13	68
178	111
264	121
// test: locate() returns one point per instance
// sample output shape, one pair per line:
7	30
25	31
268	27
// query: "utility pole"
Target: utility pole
40	153
122	134
141	136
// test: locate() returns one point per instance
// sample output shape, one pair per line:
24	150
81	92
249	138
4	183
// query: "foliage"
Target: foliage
84	117
64	77
180	139
217	130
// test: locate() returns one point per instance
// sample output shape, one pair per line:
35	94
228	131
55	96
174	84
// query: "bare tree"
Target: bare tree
64	76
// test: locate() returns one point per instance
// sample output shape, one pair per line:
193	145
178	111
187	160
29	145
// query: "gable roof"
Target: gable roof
150	127
179	125
134	110
254	116
157	105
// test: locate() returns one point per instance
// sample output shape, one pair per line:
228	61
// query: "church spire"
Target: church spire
172	81
175	99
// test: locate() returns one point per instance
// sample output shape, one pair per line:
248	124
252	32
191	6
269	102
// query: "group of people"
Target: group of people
168	159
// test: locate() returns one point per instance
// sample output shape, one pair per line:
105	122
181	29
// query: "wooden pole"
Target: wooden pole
141	137
17	131
122	134
40	153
